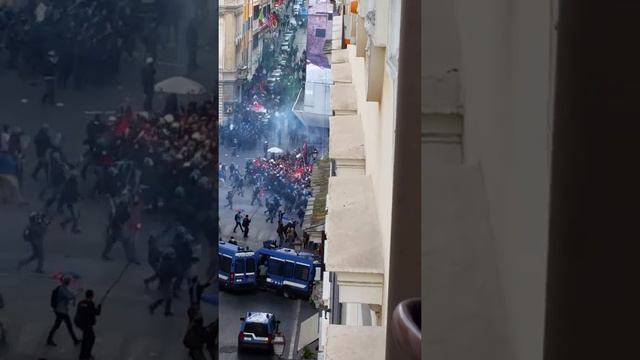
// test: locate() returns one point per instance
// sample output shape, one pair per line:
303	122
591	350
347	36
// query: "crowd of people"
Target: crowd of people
266	105
88	37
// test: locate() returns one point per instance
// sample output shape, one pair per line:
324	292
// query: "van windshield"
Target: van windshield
301	272
251	265
225	264
257	329
239	265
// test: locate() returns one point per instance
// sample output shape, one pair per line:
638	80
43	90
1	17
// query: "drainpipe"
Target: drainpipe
404	254
591	310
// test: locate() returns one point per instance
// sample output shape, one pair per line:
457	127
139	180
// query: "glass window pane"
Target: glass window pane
239	265
288	269
225	264
251	265
301	272
275	267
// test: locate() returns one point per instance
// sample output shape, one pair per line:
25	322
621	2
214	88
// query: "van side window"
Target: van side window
288	269
301	272
225	263
275	267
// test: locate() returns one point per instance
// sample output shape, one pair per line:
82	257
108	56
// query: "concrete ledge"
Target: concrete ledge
343	99
341	73
347	138
355	343
340	56
354	241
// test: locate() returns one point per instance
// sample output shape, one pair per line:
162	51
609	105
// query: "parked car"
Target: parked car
257	330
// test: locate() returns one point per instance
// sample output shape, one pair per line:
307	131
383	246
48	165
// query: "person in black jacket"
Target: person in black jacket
166	275
196	289
69	197
56	179
42	142
153	258
148	82
85	320
194	339
49	77
184	259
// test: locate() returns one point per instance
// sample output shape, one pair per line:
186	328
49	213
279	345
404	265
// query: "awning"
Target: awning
309	331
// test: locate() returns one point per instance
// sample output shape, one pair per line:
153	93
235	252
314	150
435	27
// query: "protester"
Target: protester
61	298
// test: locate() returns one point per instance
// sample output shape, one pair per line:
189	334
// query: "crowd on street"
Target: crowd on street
85	40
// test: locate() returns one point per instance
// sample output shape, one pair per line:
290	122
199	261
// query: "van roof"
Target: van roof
258	317
289	254
232	249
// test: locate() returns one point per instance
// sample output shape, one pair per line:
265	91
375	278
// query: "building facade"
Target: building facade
361	216
243	26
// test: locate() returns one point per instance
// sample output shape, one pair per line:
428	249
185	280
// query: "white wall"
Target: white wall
505	65
503	50
378	121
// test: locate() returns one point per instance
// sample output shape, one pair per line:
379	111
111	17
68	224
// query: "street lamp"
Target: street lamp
279	343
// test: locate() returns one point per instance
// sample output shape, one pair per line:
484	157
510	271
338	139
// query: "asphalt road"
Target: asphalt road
125	330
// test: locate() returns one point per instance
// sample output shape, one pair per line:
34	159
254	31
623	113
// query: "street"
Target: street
236	304
125	329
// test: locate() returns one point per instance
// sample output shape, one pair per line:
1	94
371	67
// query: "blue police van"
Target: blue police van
237	266
293	273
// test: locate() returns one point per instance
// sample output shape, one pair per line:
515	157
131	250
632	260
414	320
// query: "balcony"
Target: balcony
343	99
354	241
355	343
346	145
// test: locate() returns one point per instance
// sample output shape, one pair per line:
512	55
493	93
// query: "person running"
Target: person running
238	220
166	275
229	200
245	224
69	197
42	142
34	235
153	258
61	298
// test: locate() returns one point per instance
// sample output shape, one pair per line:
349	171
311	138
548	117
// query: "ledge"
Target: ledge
343	99
354	241
355	342
341	73
340	56
347	138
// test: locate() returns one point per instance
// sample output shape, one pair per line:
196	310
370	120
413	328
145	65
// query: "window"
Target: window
257	329
251	265
256	12
321	33
288	269
275	267
225	263
301	272
256	40
240	266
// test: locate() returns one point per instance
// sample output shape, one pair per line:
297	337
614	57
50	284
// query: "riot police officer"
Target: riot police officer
34	235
